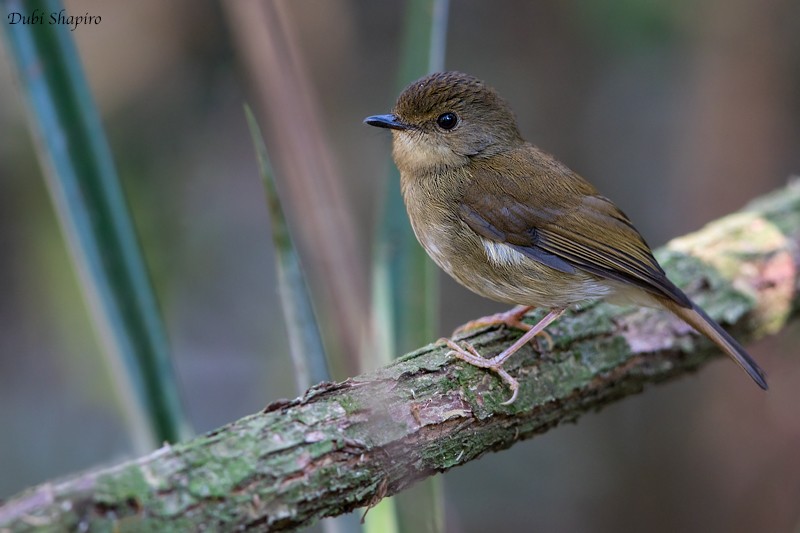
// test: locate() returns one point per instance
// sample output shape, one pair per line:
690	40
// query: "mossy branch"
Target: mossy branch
347	445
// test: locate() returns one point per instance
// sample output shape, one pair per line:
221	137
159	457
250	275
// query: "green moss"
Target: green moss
217	477
127	485
349	404
174	504
781	208
721	246
595	357
311	413
588	322
138	524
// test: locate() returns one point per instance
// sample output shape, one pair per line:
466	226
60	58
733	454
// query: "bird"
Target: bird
513	224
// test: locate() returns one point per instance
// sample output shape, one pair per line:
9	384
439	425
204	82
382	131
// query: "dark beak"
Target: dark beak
386	121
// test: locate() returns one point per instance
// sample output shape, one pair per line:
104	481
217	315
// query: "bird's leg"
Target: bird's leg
469	354
512	319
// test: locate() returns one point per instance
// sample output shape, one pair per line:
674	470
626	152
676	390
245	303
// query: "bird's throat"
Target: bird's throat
415	154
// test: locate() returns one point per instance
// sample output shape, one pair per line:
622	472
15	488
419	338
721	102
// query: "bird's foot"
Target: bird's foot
511	319
469	354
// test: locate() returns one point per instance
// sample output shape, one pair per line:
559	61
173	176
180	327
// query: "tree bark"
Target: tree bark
347	445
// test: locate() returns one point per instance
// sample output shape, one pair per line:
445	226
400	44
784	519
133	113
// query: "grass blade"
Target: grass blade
305	341
308	352
325	230
95	219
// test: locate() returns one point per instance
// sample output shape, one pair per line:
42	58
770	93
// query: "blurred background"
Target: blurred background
679	111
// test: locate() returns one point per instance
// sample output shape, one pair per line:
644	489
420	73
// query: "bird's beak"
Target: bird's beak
386	121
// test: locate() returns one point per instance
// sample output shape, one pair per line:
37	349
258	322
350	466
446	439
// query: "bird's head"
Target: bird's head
444	119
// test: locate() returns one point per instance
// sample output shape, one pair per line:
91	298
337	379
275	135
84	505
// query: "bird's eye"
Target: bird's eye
447	121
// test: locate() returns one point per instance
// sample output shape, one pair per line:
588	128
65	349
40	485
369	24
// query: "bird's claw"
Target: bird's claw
469	354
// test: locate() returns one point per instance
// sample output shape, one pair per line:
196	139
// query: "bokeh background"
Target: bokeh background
680	111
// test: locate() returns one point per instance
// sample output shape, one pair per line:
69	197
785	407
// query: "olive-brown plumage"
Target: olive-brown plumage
515	225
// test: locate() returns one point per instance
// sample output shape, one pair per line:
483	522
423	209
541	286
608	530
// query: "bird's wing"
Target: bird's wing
564	224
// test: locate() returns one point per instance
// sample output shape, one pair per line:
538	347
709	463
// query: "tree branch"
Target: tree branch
347	445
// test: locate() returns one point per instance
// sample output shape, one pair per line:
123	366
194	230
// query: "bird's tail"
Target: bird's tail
699	320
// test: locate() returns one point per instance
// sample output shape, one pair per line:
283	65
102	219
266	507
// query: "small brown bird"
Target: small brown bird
513	224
